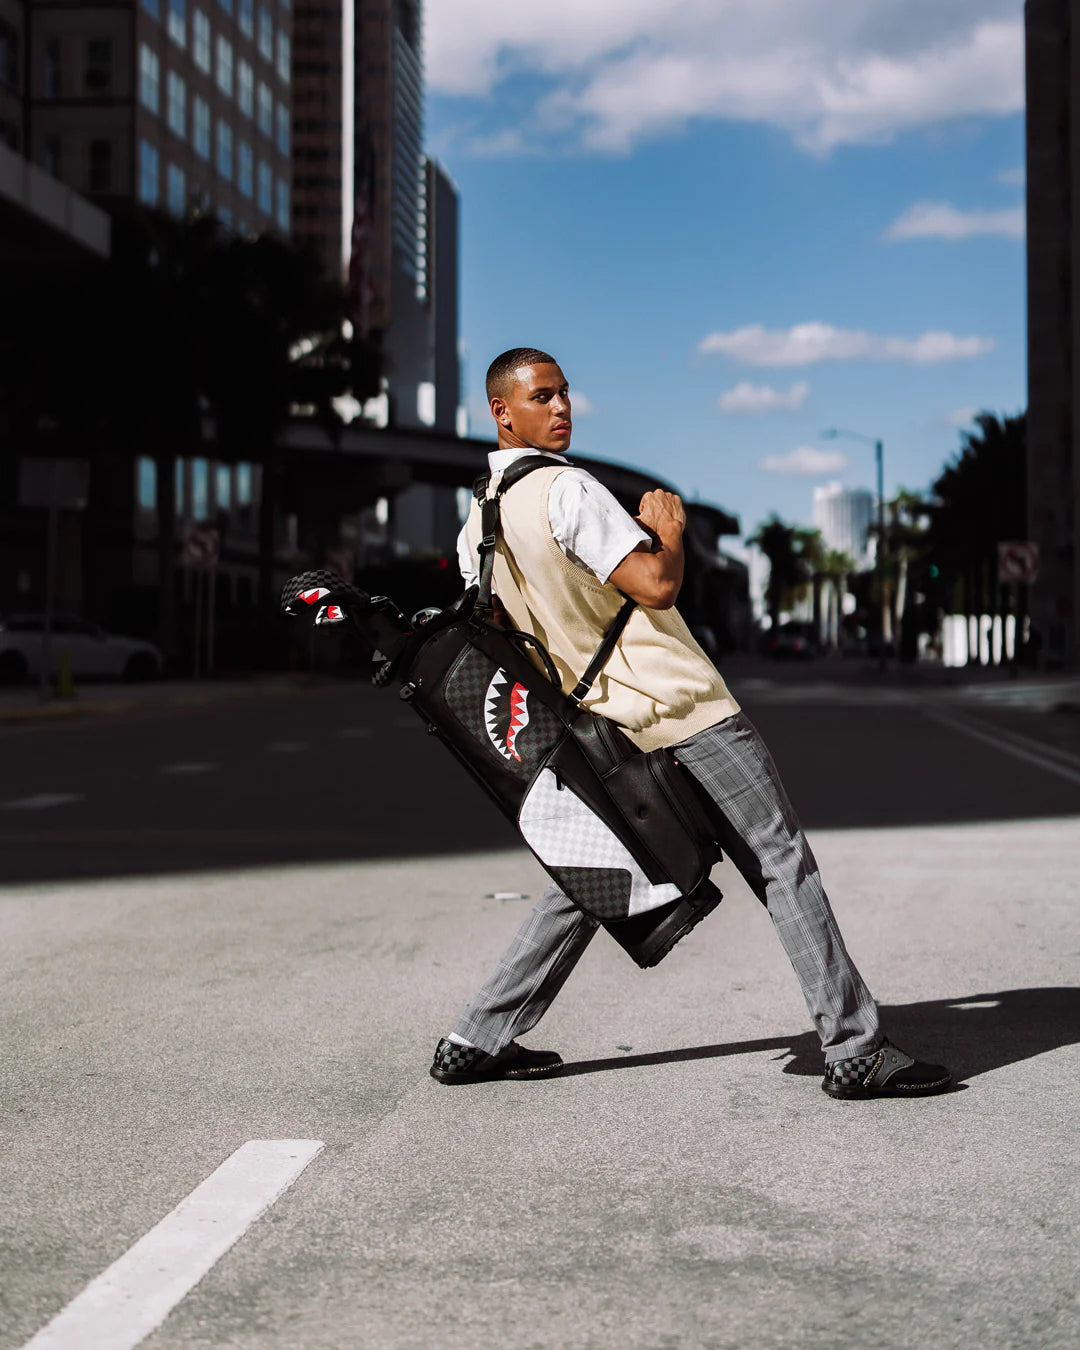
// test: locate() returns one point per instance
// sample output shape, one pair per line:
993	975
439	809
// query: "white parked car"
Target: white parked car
93	653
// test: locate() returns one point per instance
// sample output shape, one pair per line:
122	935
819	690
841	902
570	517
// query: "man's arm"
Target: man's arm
654	578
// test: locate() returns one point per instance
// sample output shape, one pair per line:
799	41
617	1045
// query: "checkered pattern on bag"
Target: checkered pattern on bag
603	892
449	1056
466	691
571	840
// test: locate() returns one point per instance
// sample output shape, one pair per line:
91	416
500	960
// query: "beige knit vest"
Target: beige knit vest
658	684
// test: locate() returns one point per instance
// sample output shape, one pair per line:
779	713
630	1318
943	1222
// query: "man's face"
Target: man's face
536	411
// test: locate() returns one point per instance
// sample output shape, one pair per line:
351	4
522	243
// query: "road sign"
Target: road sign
199	545
1018	562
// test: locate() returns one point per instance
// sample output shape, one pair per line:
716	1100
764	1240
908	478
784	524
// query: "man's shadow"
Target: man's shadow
971	1035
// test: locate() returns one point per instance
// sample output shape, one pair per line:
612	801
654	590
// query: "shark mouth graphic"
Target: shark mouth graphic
506	715
316	593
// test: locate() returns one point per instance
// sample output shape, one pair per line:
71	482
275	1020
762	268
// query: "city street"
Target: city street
251	919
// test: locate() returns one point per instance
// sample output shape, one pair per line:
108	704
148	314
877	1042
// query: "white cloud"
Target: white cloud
614	72
805	461
762	398
807	344
960	417
939	220
582	404
1013	177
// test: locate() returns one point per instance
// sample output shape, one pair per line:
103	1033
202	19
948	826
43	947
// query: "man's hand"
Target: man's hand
653	577
663	513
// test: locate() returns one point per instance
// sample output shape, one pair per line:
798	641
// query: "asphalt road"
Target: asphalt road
346	772
265	943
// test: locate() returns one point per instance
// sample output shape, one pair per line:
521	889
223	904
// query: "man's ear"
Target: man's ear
500	411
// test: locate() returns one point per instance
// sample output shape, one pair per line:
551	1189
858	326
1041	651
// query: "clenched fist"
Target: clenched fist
662	512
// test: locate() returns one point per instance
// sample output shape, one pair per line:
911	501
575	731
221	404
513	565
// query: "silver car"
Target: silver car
93	653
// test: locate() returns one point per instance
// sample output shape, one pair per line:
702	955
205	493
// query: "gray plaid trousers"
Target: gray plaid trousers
759	831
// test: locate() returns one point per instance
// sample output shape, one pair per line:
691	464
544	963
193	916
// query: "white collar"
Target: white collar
499	460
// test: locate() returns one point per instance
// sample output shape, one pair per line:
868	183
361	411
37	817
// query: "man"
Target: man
568	555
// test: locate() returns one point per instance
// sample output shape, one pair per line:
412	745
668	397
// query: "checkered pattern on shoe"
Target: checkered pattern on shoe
454	1058
853	1071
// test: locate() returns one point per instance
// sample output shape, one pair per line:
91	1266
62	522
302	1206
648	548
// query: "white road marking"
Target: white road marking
1011	743
196	766
355	733
410	720
129	1300
287	747
42	801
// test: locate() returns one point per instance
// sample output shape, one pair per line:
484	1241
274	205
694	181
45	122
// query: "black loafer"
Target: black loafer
467	1064
891	1073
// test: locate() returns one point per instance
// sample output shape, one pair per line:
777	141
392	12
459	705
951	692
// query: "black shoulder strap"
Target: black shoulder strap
489	525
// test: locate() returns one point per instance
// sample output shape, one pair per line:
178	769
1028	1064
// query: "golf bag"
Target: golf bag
621	831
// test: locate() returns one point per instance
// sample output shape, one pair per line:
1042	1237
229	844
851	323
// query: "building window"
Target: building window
151	7
176	190
224	215
284	57
101	166
200	40
224	149
283	205
283	128
9	57
177	105
146	483
148	173
149	78
266	110
99	65
225	66
51	71
222	486
266	188
200	488
247	17
245	88
245	168
50	159
226	5
177	25
243	485
200	127
266	33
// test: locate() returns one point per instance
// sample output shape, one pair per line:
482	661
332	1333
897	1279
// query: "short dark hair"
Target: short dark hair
501	372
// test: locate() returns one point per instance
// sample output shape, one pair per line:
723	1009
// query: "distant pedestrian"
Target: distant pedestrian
568	556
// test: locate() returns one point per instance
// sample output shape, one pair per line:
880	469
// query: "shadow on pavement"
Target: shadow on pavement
344	772
972	1035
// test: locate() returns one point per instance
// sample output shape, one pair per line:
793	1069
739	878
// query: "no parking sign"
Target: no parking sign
1018	562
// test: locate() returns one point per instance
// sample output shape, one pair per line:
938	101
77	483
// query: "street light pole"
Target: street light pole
879	557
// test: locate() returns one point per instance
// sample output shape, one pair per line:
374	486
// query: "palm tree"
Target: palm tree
836	566
777	541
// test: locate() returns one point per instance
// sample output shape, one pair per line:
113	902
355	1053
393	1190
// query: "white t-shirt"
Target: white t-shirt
589	525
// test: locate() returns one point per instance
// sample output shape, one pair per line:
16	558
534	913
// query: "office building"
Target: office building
844	516
1053	239
379	214
165	103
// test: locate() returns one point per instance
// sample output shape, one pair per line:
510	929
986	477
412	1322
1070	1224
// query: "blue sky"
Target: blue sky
810	212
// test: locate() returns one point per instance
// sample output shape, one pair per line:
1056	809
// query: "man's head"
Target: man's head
530	400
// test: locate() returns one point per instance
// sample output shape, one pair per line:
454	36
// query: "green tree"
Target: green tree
980	500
